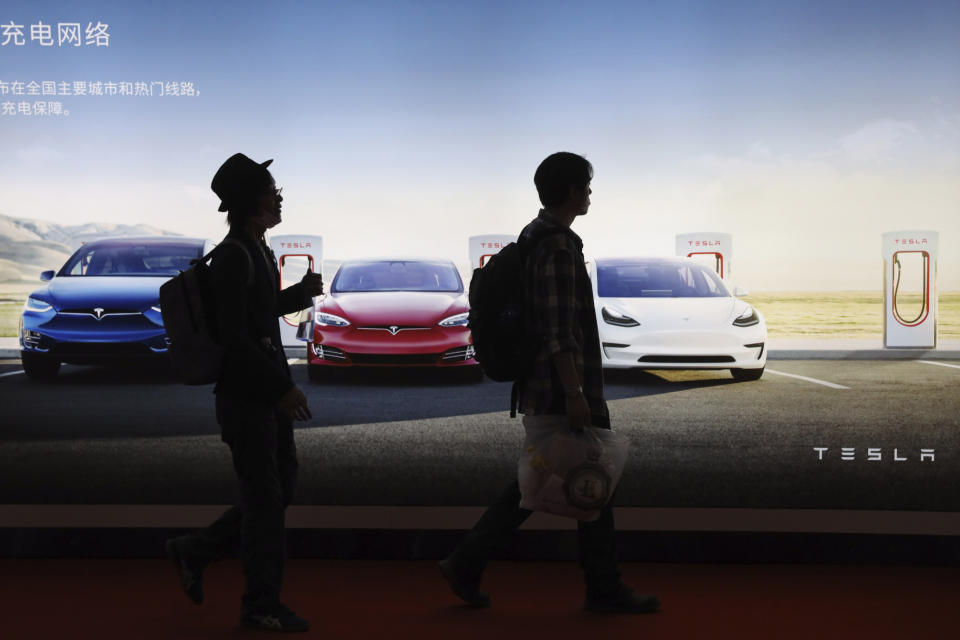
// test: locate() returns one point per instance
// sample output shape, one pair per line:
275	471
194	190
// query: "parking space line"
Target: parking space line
12	373
940	364
813	380
296	361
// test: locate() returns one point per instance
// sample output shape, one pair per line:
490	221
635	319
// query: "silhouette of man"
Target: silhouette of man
256	399
564	387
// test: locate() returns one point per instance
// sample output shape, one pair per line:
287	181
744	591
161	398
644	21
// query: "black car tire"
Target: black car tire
747	374
38	366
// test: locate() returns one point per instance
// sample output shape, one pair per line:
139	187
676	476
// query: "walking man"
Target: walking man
256	399
563	389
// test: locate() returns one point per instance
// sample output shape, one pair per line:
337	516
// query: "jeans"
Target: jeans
265	460
596	539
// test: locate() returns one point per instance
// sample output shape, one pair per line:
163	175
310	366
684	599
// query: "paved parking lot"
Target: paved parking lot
836	434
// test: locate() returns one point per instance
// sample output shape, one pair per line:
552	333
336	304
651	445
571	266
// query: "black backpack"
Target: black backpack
497	323
188	308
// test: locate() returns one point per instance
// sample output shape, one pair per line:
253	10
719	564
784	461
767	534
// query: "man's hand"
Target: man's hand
312	284
578	409
294	405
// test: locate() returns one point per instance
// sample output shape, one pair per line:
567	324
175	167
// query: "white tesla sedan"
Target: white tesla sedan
674	313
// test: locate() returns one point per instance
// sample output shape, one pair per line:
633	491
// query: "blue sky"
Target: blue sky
828	121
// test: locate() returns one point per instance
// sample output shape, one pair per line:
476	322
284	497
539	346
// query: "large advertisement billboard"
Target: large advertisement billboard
803	159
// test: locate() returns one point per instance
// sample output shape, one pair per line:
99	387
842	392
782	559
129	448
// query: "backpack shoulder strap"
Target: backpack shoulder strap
236	243
527	245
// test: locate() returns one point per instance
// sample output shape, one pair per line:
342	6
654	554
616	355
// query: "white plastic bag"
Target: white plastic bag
567	472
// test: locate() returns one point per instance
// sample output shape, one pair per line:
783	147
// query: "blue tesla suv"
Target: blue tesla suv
103	304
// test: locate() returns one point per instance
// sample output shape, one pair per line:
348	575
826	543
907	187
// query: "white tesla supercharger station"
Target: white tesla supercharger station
483	247
910	289
294	253
712	249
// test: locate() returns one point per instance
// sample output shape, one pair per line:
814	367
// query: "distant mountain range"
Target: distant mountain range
28	246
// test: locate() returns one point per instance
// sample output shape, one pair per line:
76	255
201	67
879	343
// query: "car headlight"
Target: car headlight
459	320
747	319
35	304
329	320
618	319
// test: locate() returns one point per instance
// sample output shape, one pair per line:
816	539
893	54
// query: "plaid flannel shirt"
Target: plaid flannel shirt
560	317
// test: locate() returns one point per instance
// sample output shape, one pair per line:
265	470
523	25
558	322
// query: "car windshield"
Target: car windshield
657	279
131	259
397	275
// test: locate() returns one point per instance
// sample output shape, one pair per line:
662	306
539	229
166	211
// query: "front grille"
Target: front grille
394	358
99	349
458	354
686	359
84	322
104	312
394	329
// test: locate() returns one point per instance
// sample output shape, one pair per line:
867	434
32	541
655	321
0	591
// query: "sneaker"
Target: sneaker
624	600
466	590
189	570
275	618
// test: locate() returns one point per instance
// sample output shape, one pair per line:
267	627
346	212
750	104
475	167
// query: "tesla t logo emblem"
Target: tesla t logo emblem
99	313
393	329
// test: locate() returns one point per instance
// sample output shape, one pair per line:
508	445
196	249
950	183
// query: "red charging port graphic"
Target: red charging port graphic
925	308
718	256
283	261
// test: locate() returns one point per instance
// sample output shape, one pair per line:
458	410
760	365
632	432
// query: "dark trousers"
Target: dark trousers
265	460
597	546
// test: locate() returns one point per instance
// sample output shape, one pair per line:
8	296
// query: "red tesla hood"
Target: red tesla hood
410	308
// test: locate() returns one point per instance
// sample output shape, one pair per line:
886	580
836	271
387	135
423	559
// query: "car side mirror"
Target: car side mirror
47	276
739	291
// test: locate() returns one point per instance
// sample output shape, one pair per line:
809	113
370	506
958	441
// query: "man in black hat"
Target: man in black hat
256	399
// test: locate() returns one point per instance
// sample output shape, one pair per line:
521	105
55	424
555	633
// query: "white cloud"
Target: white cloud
38	155
878	140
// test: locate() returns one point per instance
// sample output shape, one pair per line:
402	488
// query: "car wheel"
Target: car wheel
747	374
39	367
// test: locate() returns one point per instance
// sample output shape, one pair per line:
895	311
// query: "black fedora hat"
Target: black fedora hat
237	178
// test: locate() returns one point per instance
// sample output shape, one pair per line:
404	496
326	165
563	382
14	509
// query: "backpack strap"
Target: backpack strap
236	243
527	246
516	392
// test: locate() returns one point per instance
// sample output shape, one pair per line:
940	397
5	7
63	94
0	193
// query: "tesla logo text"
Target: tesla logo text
910	240
295	245
99	312
703	243
492	245
875	454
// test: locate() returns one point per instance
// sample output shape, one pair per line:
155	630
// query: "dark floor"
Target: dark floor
72	598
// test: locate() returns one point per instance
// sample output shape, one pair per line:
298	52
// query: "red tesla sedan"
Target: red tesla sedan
392	313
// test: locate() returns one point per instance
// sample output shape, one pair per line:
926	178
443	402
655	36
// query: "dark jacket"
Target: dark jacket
255	366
